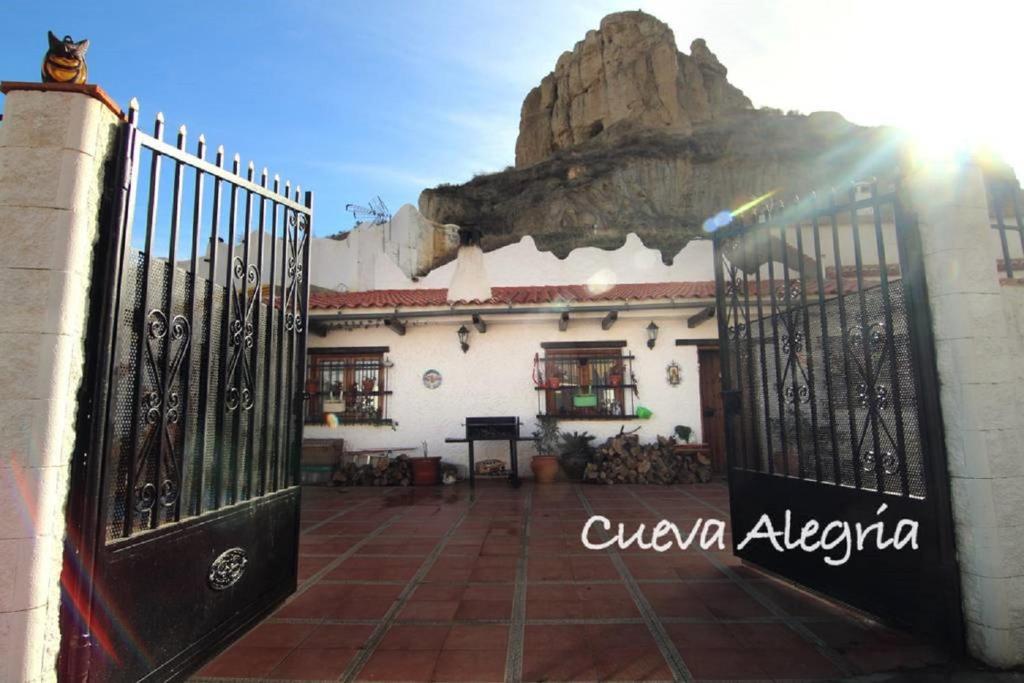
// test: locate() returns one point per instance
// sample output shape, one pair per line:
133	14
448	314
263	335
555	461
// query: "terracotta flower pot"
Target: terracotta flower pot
426	471
554	382
368	385
545	468
615	380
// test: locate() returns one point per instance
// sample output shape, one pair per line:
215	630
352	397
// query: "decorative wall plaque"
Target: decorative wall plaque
674	373
227	569
432	379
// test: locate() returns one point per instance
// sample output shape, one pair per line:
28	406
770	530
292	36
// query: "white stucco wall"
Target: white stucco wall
522	264
373	256
494	378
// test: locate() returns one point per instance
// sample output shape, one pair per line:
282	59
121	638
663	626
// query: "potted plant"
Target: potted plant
555	377
426	471
575	453
684	433
545	440
615	373
368	384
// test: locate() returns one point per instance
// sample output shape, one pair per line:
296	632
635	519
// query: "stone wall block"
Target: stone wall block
44	238
35	366
20	587
972	502
1005	450
1003	647
55	120
962	271
990	406
1009	503
28	436
28	512
968	316
47	301
977	360
21	645
46	178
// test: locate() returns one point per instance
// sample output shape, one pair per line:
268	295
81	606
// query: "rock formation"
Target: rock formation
627	134
628	72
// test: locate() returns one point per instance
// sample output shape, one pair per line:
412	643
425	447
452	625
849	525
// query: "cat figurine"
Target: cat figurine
65	61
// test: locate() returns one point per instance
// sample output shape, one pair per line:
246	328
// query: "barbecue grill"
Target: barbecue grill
493	429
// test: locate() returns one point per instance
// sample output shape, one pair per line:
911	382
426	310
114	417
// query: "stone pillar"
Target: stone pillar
980	378
53	145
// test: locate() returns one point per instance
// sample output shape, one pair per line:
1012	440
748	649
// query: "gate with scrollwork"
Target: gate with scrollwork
183	517
831	399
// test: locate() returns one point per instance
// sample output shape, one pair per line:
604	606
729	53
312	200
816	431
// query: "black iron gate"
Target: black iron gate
832	403
183	517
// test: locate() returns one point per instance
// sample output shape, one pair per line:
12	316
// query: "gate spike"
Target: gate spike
133	111
250	171
220	156
201	146
158	127
263	177
236	164
182	134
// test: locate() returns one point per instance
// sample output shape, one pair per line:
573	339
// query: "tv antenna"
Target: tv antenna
377	212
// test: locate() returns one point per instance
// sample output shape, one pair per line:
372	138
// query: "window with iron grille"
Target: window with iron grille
349	385
585	380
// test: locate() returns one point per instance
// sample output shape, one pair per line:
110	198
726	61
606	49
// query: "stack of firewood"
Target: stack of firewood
381	472
624	460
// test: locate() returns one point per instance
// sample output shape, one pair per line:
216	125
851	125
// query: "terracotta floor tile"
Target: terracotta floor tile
625	636
245	662
490	591
632	664
477	637
313	665
414	637
706	636
338	636
722	663
438	591
553	609
559	665
276	635
387	665
478	666
555	637
615	608
593	568
430	610
484	609
360	609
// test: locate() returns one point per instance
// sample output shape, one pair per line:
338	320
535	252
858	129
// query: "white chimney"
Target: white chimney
469	283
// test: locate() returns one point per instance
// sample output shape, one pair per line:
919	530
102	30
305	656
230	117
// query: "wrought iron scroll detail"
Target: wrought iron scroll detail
298	225
227	569
242	336
162	409
871	394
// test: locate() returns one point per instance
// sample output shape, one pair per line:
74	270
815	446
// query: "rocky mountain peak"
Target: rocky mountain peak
627	75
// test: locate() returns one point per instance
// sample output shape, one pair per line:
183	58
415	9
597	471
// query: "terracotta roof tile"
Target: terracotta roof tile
321	298
542	294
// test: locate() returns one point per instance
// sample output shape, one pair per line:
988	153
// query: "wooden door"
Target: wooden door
712	415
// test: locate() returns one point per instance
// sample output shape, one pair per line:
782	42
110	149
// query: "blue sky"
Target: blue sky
356	99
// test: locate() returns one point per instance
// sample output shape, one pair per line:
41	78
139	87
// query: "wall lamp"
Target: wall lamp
652	335
464	338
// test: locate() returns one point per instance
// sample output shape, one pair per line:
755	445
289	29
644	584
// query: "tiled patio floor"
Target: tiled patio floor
436	584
